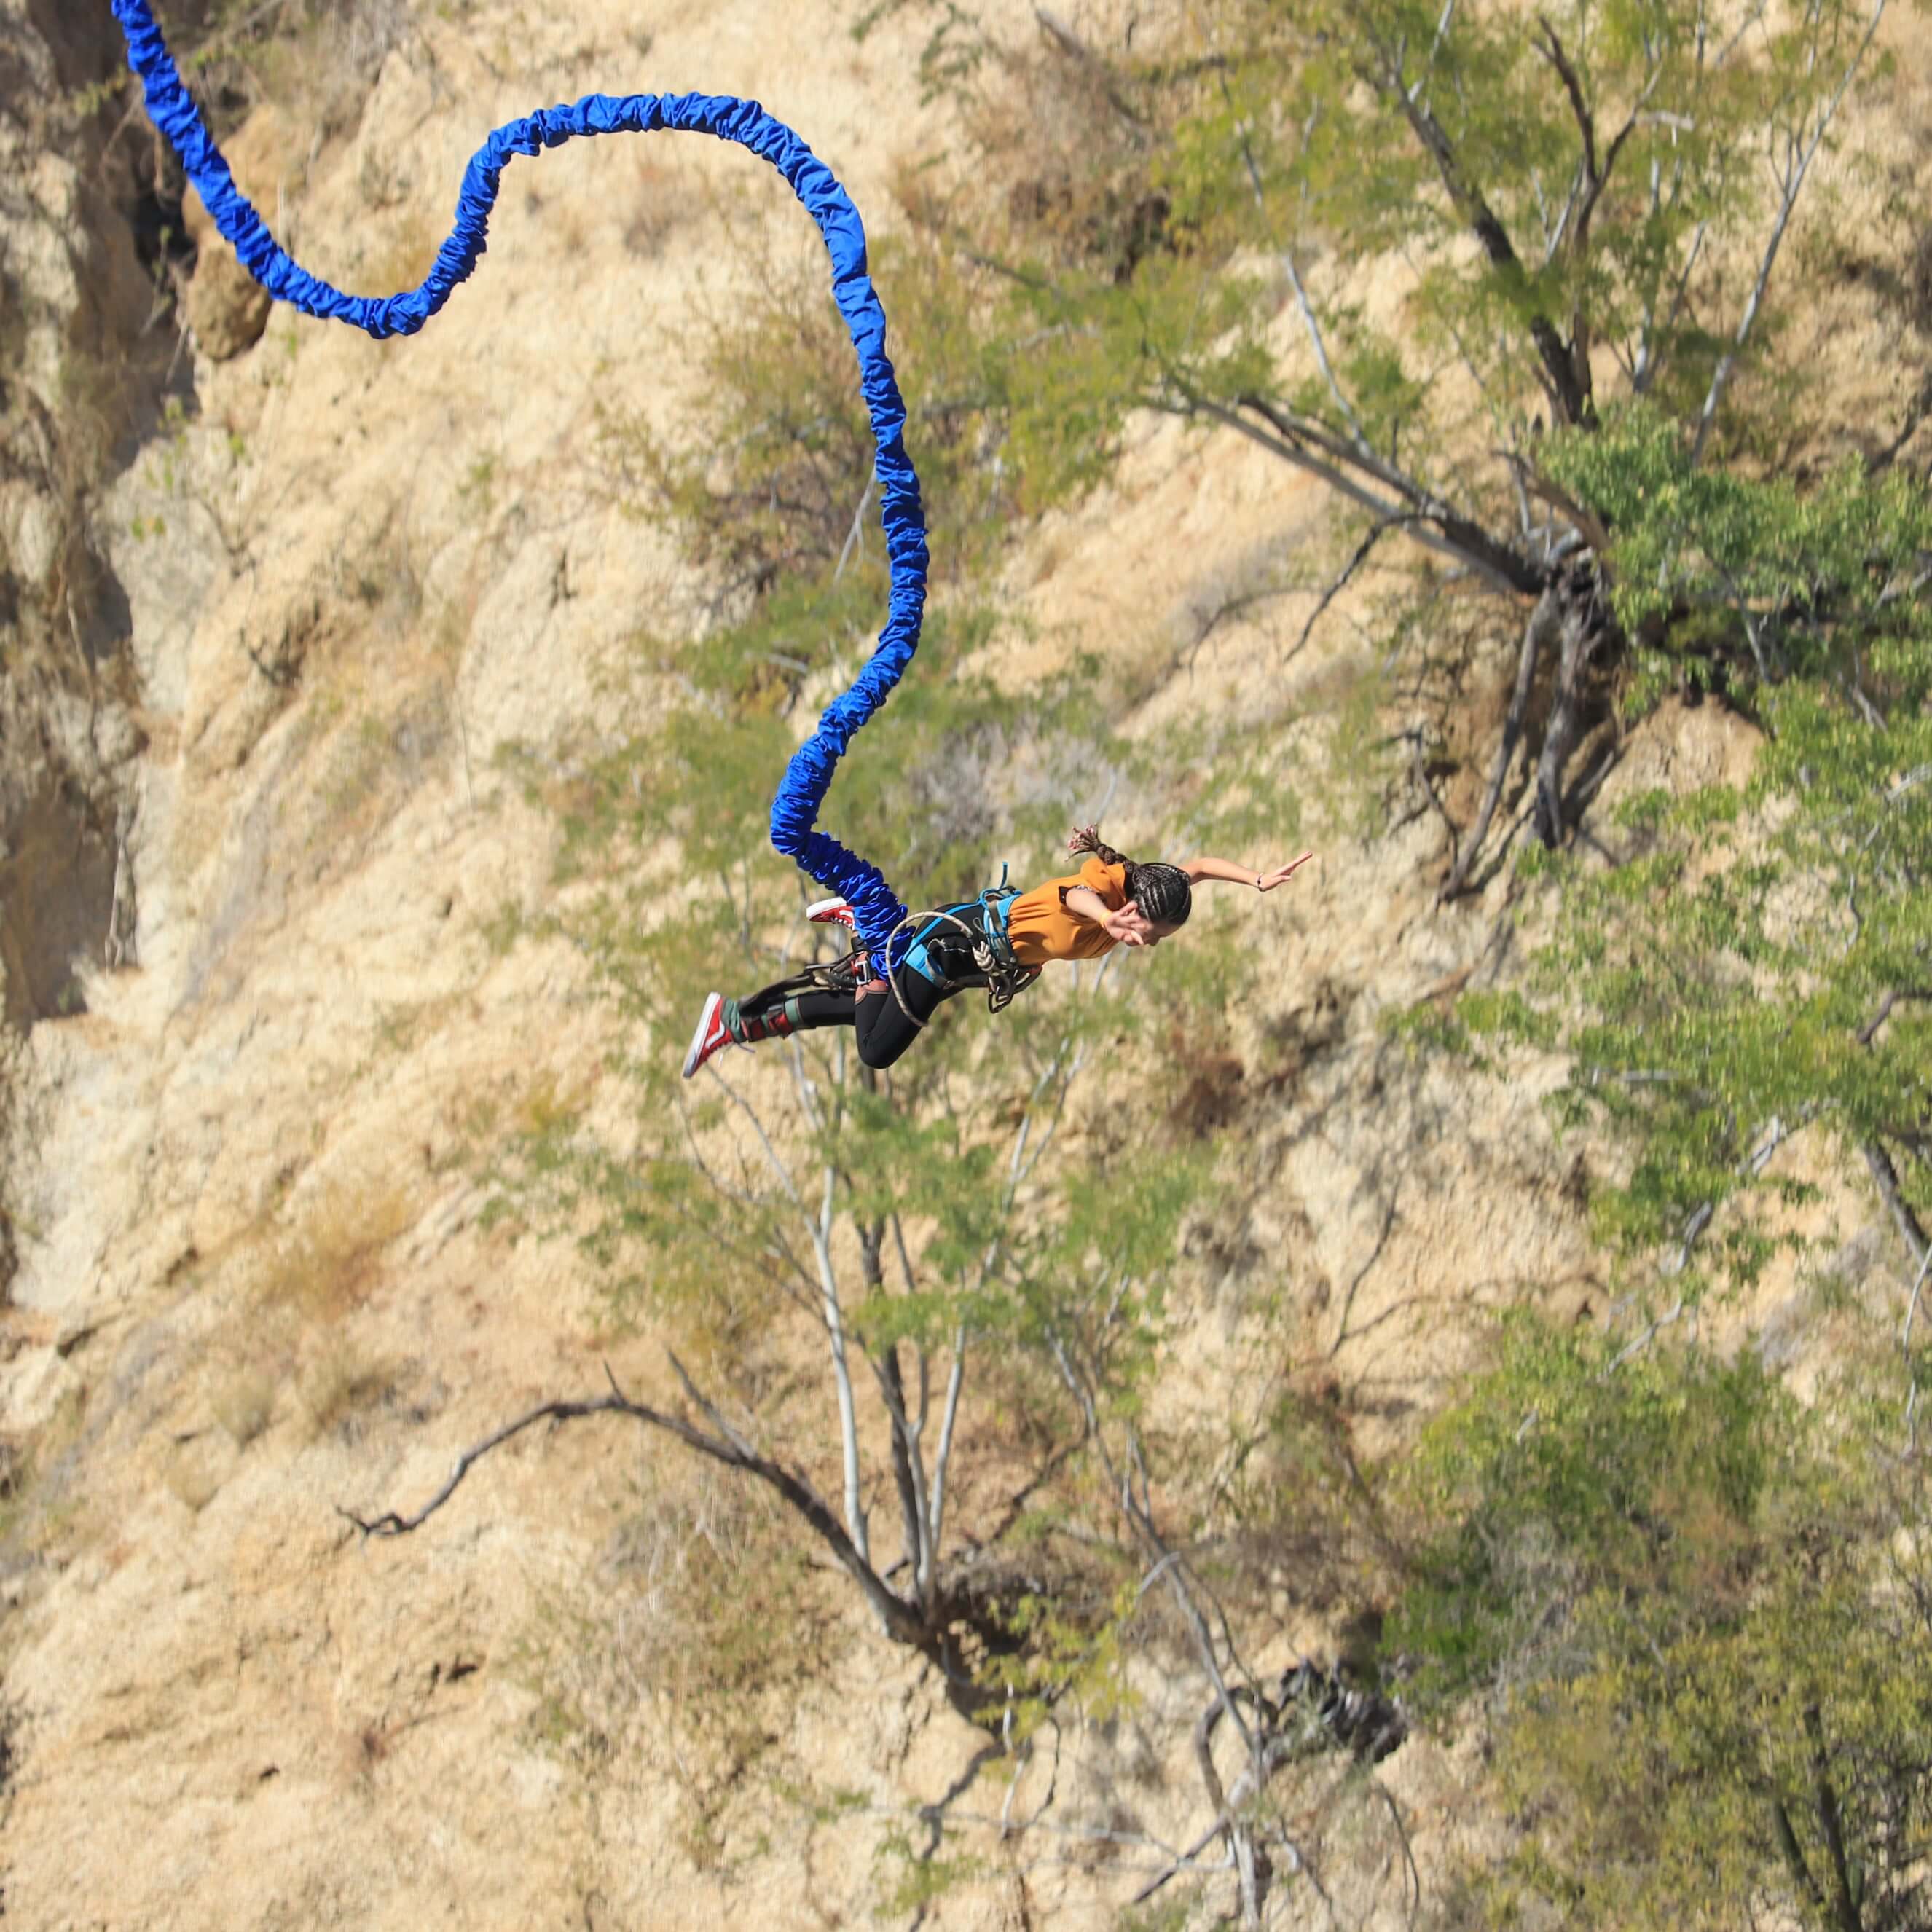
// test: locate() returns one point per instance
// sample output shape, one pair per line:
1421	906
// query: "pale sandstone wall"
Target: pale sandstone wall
352	573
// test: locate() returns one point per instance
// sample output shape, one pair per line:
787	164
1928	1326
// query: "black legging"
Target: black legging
885	1029
887	1019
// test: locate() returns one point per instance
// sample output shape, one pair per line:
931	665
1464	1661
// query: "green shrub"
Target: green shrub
1700	1630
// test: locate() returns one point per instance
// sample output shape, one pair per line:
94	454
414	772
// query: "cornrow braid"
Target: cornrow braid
1088	839
1162	892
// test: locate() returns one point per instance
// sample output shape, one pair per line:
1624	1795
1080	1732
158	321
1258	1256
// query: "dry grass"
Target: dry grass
317	61
697	1629
342	1382
381	715
319	1273
324	1267
663	201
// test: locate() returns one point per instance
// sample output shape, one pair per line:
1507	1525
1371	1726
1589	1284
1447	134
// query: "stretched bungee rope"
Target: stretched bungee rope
802	789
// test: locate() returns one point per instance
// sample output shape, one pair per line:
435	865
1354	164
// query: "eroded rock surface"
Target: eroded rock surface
263	650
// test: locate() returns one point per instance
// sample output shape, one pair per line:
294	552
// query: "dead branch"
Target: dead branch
1566	377
1845	1889
1551	50
1588	524
1418	771
1879	1162
1312	1709
1354	563
1595	179
1468	539
900	1619
852	536
1542	618
1438	526
1866	1034
1071	44
1362	1272
1313	327
1582	629
1790	188
1754	1164
1794	1856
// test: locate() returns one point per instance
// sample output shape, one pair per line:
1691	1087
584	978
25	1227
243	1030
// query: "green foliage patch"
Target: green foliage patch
1700	1626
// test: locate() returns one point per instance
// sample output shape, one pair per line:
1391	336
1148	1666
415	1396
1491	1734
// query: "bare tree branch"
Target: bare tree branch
1790	188
1567	376
1644	370
1879	1163
1377	532
1070	43
1321	348
1581	630
1754	1163
899	1619
1589	525
842	1372
1452	536
858	525
1542	620
1869	1032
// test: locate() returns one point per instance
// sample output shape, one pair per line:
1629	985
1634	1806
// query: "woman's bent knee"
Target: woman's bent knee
879	1051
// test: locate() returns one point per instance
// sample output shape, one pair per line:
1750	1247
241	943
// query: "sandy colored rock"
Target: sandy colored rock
227	308
256	1285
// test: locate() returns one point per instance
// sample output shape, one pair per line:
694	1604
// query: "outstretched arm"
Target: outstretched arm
1262	879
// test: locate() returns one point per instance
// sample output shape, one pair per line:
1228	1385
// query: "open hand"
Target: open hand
1266	882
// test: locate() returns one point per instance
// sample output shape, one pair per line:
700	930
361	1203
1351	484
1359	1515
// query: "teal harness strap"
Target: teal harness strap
993	903
993	957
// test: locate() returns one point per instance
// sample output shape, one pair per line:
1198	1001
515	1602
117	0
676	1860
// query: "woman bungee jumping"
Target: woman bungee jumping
1000	940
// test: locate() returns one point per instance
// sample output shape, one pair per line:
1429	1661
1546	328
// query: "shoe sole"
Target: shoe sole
693	1057
825	912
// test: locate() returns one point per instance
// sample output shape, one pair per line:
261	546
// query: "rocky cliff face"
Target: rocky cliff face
271	600
82	256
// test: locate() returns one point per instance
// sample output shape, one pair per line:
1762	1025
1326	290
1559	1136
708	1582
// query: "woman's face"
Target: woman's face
1135	929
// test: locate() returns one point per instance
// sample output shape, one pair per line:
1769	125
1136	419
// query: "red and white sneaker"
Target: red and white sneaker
833	912
838	912
713	1034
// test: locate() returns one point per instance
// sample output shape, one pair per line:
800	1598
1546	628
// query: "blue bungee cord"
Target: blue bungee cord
802	789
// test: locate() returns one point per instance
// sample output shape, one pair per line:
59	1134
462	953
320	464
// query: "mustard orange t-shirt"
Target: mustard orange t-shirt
1040	927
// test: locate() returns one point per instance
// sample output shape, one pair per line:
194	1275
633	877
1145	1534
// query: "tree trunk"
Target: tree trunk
1583	624
1542	620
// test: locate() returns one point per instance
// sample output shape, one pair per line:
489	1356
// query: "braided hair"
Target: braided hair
1161	891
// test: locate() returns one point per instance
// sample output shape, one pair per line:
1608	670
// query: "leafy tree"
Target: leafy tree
908	1286
1753	964
1701	1632
1562	203
769	480
914	1223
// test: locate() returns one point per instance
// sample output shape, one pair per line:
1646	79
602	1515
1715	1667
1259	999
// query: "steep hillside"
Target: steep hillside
311	644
